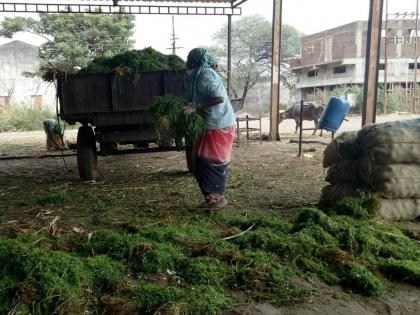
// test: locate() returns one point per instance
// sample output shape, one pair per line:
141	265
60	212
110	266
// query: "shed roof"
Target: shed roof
189	1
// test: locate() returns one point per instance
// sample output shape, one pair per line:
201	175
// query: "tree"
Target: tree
355	90
251	51
8	87
75	39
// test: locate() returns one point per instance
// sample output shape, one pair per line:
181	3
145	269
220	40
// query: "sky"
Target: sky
308	16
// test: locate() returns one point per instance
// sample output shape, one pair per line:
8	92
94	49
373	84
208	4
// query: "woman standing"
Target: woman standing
212	150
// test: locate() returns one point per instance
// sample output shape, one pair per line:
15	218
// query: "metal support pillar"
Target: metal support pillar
386	60
372	61
275	70
416	57
229	57
300	128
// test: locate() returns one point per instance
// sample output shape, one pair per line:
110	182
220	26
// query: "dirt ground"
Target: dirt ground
266	177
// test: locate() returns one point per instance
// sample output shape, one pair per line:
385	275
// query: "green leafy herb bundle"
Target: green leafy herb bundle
146	59
168	114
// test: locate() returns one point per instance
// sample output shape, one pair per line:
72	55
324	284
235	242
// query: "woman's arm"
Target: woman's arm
211	102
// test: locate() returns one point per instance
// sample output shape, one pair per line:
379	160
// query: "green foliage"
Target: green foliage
205	270
251	51
209	300
321	268
362	281
168	114
184	266
116	245
311	216
269	220
74	39
55	282
262	272
147	59
356	90
290	42
17	118
149	296
404	269
158	257
329	246
8	287
105	272
200	300
59	198
397	100
358	208
140	253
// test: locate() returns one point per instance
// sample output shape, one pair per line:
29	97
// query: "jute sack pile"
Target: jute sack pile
392	142
342	157
382	160
345	171
391	180
399	209
343	147
332	193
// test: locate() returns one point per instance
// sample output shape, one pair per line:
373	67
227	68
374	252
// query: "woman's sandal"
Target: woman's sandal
216	204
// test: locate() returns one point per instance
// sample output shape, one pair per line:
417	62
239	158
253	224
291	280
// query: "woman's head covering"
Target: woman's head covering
202	59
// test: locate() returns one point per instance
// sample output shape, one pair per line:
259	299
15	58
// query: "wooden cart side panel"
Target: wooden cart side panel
175	83
105	95
85	94
136	93
139	93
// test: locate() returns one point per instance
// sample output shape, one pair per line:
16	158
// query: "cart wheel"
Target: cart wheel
189	158
87	159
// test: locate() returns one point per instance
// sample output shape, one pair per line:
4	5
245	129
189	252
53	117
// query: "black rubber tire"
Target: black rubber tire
189	158
87	158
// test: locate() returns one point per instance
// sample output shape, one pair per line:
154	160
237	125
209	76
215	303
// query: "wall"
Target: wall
259	97
17	57
346	45
338	43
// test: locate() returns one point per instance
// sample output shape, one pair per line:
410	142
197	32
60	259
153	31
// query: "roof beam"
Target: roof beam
120	9
238	3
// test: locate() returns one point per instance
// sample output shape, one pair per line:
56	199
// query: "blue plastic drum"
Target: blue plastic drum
334	114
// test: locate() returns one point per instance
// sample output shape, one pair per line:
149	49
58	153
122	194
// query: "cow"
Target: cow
311	111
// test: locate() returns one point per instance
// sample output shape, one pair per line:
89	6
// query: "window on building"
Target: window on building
399	40
309	49
412	65
341	69
312	73
413	35
381	66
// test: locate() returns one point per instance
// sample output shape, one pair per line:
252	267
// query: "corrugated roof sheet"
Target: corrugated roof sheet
187	1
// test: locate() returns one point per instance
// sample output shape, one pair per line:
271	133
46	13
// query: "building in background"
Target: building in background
16	88
336	57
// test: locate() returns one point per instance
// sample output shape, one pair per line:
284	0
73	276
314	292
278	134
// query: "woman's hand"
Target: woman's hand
189	109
